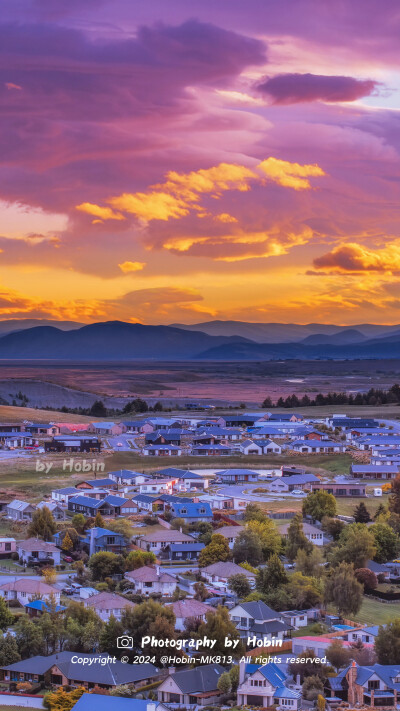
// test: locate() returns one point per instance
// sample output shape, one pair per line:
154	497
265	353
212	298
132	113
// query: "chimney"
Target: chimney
298	680
242	672
352	679
158	570
92	541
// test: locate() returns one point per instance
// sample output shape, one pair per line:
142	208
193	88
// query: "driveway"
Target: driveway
124	440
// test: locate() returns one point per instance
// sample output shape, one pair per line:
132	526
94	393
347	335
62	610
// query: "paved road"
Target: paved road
21	701
122	439
244	492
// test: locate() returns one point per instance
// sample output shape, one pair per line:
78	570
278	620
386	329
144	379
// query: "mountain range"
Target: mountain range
120	341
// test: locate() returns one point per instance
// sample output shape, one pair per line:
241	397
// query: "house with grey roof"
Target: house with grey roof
256	621
106	604
98	670
197	686
55	509
312	533
230	533
25	589
156	541
33	551
189	609
20	510
221	572
151	579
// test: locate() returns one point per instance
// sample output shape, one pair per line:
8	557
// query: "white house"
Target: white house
256	621
220	572
24	589
35	550
157	486
106	604
317	447
185	610
151	579
312	533
230	533
265	686
158	540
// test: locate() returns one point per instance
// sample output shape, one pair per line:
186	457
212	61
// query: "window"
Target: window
8	546
373	684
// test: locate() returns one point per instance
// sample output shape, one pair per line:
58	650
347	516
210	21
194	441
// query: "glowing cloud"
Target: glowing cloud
290	175
104	213
353	257
128	267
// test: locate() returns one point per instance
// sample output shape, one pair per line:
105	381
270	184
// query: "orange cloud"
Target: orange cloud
104	213
353	257
181	192
128	267
290	175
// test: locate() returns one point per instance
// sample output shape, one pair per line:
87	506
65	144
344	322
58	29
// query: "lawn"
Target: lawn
375	612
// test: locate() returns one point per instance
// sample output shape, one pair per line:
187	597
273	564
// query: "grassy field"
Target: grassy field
375	612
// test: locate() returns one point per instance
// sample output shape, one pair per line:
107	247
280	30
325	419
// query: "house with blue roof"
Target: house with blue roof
175	551
286	484
192	512
102	702
35	608
111	505
101	539
376	685
309	446
236	476
126	477
266	686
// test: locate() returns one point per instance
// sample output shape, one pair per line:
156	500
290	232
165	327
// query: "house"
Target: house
192	512
185	480
37	608
33	551
220	572
63	495
374	471
20	510
256	621
16	441
185	610
7	546
286	484
230	533
73	443
297	618
250	447
366	635
372	686
164	501
157	486
317	447
238	420
269	446
285	417
55	509
162	450
101	702
25	589
211	450
340	489
312	533
61	669
144	502
90	484
175	551
127	477
265	686
109	506
151	579
111	429
197	687
157	540
236	476
101	539
106	604
219	502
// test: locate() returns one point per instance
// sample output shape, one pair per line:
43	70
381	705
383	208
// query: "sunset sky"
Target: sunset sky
181	161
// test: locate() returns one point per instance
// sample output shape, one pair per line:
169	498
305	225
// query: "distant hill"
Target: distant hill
281	332
112	340
14	324
348	335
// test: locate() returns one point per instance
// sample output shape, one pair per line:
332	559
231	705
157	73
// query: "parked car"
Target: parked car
298	492
67	591
68	559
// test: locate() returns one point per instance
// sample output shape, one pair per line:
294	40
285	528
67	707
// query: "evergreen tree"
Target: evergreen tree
361	513
42	525
296	538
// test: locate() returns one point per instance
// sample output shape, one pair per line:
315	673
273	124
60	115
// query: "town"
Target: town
273	582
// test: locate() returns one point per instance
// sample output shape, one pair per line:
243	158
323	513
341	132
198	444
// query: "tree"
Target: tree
122	526
337	655
105	564
162	627
109	635
247	548
99	520
311	667
304	591
67	544
218	626
313	687
343	590
138	620
310	563
42	525
49	575
78	521
9	653
332	527
98	409
361	513
266	532
62	700
217	551
387	643
380	511
6	616
366	577
234	674
224	683
138	559
29	638
272	576
387	542
319	504
206	531
394	498
201	592
254	513
356	545
239	585
296	538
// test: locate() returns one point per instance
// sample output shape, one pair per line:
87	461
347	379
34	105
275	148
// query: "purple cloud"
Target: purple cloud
298	88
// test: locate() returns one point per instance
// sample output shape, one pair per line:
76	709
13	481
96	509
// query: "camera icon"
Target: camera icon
125	642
